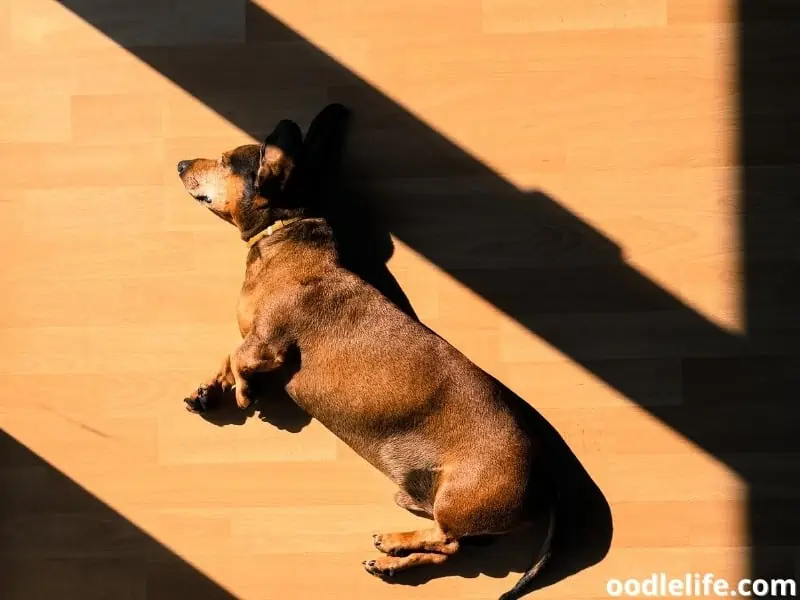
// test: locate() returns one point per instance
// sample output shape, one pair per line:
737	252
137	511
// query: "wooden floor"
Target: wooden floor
565	188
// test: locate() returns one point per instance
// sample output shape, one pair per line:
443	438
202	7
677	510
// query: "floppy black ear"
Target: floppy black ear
279	153
323	144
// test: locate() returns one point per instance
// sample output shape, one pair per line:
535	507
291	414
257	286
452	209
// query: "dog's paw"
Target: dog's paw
242	398
378	568
195	403
201	401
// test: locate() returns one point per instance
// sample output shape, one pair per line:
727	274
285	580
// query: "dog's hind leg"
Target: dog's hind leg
424	540
465	506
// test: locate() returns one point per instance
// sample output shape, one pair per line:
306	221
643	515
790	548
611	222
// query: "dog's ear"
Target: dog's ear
279	153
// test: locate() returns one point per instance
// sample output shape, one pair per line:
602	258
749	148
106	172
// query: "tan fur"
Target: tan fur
402	397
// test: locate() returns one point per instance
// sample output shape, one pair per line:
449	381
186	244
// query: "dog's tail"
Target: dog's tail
541	559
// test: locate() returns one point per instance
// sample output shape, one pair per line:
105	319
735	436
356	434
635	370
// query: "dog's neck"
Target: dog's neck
279	224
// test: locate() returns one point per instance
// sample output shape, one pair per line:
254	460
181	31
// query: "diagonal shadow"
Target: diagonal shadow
767	388
734	396
59	541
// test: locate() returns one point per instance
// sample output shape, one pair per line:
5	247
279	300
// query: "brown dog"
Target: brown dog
399	395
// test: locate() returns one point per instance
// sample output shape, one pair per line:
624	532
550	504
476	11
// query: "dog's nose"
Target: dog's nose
183	165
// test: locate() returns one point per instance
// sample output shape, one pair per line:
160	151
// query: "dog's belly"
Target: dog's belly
381	435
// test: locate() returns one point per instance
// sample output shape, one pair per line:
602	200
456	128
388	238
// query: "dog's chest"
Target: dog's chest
264	285
254	288
244	314
246	307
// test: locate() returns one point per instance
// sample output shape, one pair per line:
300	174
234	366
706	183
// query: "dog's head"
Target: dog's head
249	185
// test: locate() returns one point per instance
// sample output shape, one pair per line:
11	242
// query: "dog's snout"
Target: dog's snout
183	165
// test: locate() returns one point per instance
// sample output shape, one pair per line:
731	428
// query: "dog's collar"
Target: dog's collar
270	230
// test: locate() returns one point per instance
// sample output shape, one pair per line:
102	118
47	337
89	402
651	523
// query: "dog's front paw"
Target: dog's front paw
242	397
378	567
203	399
